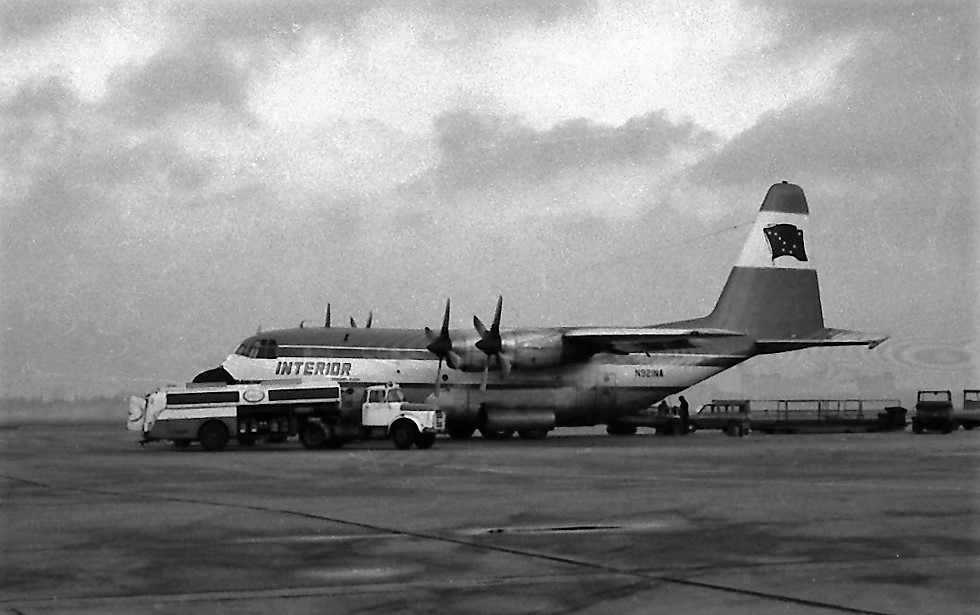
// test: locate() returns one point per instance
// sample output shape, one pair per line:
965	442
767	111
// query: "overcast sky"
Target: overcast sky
175	174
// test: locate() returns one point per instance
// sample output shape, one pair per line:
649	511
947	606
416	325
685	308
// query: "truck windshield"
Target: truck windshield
395	395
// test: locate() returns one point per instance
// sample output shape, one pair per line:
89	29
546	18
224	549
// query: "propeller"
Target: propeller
441	345
353	323
491	344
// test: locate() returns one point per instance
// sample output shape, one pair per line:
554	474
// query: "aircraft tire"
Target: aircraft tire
403	434
459	431
619	429
313	436
532	434
213	436
496	434
425	440
182	443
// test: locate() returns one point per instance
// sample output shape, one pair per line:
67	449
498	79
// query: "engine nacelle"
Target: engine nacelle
526	349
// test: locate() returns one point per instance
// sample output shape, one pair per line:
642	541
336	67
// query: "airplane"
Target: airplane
532	380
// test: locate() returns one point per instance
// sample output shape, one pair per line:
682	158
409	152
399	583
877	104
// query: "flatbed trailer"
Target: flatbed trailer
826	415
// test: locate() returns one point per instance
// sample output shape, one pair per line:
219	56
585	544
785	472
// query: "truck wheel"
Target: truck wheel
313	435
425	440
336	439
403	434
460	431
213	436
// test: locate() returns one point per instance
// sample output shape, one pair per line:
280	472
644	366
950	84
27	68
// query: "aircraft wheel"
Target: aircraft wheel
182	443
496	434
459	431
248	440
619	429
425	440
213	436
532	434
403	434
313	435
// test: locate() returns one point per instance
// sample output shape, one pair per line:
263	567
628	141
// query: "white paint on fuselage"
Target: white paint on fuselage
582	393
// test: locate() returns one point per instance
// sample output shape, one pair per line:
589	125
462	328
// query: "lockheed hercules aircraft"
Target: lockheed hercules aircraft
531	380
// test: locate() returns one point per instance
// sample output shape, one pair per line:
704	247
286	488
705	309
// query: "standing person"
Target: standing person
663	409
685	413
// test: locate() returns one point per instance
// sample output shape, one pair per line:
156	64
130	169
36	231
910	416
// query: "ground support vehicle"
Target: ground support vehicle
729	415
969	416
934	412
276	410
827	415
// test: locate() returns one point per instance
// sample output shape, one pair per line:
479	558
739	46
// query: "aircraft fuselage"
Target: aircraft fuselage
584	392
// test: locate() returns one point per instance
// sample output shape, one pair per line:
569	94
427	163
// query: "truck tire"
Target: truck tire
460	431
213	436
403	434
425	440
313	435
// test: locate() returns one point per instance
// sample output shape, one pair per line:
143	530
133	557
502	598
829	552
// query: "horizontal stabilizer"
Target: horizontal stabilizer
823	337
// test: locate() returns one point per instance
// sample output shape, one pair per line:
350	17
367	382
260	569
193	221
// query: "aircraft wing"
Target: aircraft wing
823	337
626	340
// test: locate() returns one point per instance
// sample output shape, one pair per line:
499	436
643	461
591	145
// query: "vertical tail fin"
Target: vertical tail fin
772	291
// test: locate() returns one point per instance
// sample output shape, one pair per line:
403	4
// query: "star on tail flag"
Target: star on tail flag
785	240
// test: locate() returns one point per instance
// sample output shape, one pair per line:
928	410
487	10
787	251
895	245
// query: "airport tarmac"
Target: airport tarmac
577	523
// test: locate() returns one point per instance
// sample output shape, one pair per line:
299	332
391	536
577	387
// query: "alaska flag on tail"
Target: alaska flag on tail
785	240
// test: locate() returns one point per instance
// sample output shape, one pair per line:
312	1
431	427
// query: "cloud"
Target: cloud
21	19
477	150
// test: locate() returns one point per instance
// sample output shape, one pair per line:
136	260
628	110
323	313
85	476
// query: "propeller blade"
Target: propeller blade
352	323
505	366
495	328
490	342
370	319
441	344
479	326
326	323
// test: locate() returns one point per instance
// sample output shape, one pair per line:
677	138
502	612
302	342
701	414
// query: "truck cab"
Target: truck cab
385	413
729	415
934	412
969	416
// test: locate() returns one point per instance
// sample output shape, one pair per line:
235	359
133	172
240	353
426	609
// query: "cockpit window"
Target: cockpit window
259	349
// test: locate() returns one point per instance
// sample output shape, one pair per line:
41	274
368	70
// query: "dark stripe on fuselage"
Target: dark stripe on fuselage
345	352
